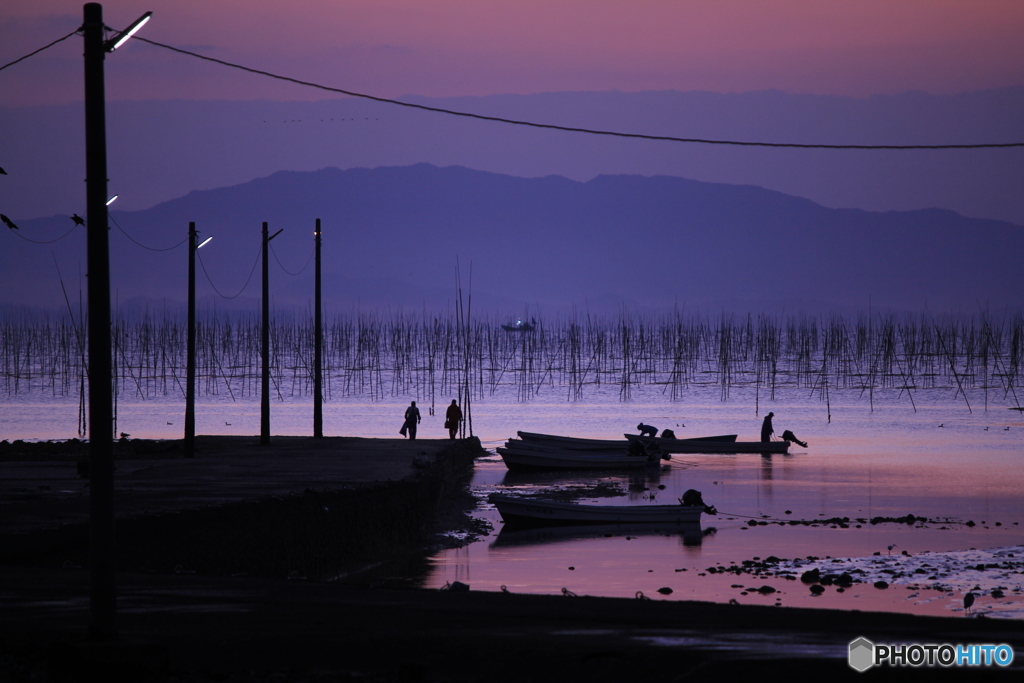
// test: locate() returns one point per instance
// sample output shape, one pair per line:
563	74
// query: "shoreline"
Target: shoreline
197	622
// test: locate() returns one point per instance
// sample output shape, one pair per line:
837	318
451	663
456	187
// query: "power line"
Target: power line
58	239
300	271
140	243
571	129
221	294
45	47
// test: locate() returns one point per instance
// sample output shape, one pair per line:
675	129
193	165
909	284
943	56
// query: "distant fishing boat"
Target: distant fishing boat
521	326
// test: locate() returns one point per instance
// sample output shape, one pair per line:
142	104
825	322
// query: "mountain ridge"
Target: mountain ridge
656	241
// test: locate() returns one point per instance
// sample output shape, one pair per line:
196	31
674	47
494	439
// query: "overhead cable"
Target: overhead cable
58	239
140	243
571	129
45	47
301	270
219	293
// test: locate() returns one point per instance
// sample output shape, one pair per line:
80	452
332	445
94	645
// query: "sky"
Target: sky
822	71
444	48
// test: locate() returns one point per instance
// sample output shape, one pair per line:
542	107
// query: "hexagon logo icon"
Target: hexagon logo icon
862	654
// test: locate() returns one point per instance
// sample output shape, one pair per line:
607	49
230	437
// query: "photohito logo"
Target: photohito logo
864	654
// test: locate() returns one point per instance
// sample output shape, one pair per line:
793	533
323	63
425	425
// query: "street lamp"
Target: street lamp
102	592
190	363
122	37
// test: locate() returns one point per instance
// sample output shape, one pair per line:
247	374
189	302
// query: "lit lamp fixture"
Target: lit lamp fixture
111	200
119	40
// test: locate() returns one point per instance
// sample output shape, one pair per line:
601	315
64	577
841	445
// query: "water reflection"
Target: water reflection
690	535
603	483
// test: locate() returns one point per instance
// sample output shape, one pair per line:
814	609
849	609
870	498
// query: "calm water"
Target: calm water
889	461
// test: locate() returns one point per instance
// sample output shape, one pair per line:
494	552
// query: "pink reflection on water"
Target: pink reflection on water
889	463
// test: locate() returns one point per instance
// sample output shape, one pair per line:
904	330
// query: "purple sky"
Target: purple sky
479	47
693	68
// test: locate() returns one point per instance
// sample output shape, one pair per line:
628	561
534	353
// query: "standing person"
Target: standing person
766	428
452	418
412	418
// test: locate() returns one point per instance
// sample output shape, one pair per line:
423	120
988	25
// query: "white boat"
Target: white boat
532	511
576	443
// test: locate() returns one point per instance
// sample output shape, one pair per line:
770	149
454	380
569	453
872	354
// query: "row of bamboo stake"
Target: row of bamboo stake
431	357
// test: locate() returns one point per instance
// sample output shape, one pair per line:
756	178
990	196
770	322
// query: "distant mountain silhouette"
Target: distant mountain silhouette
392	236
159	150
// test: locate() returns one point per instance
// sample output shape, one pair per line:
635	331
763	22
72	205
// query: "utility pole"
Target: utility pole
190	370
265	346
265	340
102	594
318	397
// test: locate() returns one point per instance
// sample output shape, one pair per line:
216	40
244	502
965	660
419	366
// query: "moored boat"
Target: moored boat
528	511
577	443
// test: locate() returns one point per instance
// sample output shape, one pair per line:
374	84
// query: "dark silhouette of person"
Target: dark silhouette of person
412	418
790	436
766	428
452	418
647	430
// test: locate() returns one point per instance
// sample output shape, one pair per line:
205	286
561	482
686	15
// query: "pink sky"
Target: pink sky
481	47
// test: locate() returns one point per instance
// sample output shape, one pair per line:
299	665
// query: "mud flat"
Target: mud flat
226	567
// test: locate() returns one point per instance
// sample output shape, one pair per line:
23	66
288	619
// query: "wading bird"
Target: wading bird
968	601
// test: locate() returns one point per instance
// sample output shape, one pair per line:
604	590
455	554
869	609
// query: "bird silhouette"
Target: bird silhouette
891	546
8	222
968	601
125	435
78	219
170	423
1006	429
942	425
228	424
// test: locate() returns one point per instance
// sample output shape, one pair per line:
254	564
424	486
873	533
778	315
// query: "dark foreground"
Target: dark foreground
261	625
190	628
